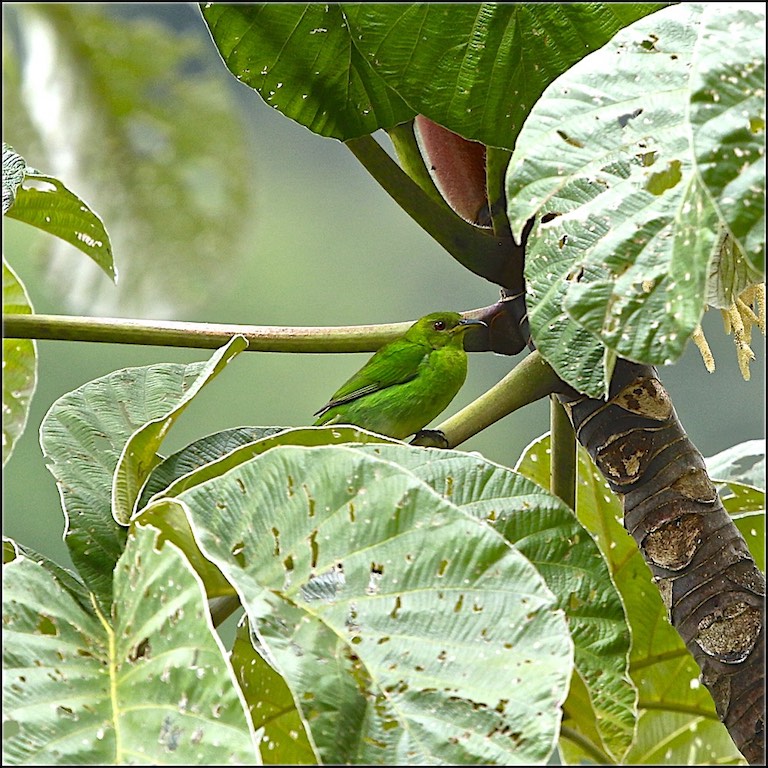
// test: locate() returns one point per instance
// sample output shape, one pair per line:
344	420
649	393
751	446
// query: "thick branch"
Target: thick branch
527	382
701	564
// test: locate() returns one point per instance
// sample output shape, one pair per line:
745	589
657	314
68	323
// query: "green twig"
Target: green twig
562	466
476	249
167	333
528	381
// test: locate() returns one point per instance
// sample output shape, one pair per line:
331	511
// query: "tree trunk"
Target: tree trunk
714	592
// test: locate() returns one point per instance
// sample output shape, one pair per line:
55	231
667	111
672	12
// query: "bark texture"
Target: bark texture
714	592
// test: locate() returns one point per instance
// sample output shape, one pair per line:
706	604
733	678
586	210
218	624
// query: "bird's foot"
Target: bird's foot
430	438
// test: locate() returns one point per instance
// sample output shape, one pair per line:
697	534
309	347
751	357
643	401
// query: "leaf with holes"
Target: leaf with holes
407	630
306	436
19	365
619	262
83	436
546	531
50	206
672	702
199	453
149	683
727	114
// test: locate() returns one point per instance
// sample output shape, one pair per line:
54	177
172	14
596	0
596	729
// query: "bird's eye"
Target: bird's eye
439	325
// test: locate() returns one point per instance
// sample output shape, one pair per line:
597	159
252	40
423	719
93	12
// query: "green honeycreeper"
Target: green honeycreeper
407	382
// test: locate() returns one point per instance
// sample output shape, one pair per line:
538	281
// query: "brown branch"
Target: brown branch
713	590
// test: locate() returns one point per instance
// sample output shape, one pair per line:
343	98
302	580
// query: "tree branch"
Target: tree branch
528	381
476	249
261	338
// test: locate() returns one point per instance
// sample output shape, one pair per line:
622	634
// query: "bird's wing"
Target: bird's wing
395	363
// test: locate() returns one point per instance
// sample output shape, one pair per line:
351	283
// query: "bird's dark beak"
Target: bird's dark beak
471	321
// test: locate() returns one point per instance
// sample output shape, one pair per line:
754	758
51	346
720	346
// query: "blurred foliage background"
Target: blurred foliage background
222	210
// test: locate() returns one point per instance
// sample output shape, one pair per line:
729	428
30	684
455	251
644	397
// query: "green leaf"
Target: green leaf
739	474
19	365
211	457
743	463
347	70
752	528
478	68
406	630
83	436
148	684
727	114
672	702
64	577
302	60
139	456
269	699
624	264
546	531
56	211
195	455
305	436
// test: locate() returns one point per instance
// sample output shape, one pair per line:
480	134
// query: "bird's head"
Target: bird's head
440	329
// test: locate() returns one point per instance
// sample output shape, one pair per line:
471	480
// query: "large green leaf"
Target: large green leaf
50	206
546	531
727	114
84	435
672	702
407	630
148	683
478	68
269	699
199	453
211	457
306	436
623	267
302	60
19	365
348	69
139	456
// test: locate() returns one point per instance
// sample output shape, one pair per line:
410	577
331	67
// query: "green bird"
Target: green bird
407	382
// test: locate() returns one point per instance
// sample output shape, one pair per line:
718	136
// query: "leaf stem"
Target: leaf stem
586	745
408	153
496	161
476	249
562	473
